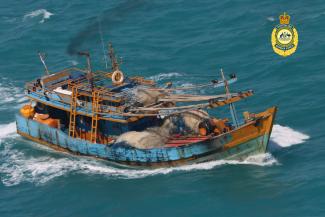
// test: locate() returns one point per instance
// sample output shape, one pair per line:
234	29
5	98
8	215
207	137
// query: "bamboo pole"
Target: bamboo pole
231	105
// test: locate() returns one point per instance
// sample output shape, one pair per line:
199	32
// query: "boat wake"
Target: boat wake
7	131
9	93
17	167
40	12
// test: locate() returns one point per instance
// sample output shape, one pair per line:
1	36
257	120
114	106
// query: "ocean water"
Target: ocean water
186	42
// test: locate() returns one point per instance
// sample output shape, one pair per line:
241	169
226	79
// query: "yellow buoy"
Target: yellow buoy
27	111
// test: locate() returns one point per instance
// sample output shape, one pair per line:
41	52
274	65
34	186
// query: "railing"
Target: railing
83	105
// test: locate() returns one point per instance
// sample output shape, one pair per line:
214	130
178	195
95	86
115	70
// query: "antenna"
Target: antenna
42	57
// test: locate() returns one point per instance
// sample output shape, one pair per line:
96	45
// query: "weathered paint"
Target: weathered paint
249	139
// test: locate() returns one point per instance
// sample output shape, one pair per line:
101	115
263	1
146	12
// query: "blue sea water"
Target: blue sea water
186	42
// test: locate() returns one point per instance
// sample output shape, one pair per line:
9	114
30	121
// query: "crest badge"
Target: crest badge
284	37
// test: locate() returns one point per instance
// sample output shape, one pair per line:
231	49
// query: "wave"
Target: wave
284	136
7	130
11	96
16	167
9	93
19	168
40	12
164	76
73	62
271	19
6	19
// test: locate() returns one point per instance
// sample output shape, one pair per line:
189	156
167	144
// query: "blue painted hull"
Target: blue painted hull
122	153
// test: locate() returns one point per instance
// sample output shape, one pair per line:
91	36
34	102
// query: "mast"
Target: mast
231	105
112	56
42	58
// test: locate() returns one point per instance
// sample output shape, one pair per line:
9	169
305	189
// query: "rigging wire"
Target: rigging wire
102	42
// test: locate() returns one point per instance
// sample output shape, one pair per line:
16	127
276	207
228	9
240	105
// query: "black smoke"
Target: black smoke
108	19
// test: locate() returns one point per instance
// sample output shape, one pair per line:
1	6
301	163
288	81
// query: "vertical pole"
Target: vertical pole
89	73
90	76
231	105
114	62
42	57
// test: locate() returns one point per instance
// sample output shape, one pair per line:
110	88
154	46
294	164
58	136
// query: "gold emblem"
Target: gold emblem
284	37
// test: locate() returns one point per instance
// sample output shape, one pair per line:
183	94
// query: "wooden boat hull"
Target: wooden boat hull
249	139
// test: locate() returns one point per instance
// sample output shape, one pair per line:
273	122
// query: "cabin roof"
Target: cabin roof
62	86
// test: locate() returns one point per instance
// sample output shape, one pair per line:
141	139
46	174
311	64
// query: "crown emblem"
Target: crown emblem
284	18
284	37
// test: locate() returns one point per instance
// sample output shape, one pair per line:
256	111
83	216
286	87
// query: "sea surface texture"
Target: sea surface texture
186	42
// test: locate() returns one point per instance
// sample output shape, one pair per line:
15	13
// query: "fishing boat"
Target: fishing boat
135	122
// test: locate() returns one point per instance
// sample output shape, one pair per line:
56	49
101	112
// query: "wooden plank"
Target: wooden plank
211	104
190	98
53	77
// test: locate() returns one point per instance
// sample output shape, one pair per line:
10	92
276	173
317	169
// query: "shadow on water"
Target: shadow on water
273	147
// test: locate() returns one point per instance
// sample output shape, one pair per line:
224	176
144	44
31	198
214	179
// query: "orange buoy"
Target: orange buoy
27	111
216	131
203	131
55	123
45	119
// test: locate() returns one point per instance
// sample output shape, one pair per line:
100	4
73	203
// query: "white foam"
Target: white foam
40	12
19	168
11	96
164	76
7	130
259	160
271	19
9	93
21	98
73	62
9	19
285	136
